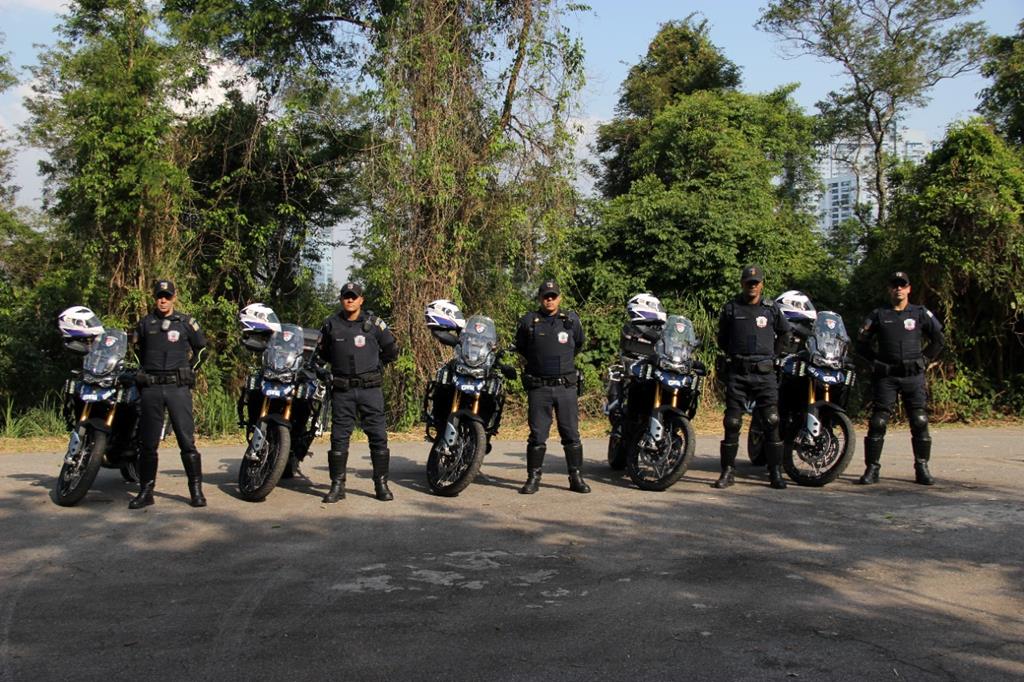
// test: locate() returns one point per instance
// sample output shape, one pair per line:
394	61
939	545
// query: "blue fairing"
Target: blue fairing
275	389
827	376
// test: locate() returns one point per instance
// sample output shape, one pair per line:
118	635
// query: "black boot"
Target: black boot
337	462
872	457
773	452
922	453
193	464
147	481
573	462
727	456
381	460
534	465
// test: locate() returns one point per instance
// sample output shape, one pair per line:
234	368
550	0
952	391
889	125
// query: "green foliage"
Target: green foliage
1003	101
44	419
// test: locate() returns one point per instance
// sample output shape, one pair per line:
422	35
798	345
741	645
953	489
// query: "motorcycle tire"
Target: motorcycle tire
616	452
662	475
839	452
256	478
74	482
130	471
448	475
755	445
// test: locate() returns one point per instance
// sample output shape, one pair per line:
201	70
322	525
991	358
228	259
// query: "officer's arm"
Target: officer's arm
388	343
784	331
720	338
522	338
864	336
936	339
578	335
137	336
197	339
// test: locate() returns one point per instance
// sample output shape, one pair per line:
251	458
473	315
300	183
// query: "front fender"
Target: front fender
827	404
277	419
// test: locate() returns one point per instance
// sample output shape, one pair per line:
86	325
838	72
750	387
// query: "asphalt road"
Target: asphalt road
889	582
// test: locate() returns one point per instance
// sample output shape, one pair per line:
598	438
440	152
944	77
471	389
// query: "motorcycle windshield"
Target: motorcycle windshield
106	353
677	342
477	341
830	340
284	352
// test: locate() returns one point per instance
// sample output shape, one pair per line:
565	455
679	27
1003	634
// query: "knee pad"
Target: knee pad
918	424
877	424
732	422
769	417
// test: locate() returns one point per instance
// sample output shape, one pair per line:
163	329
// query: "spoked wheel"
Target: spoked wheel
755	444
130	471
450	473
77	477
821	460
258	475
660	466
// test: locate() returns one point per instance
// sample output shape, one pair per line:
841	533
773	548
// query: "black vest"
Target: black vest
899	333
749	329
353	346
551	345
164	350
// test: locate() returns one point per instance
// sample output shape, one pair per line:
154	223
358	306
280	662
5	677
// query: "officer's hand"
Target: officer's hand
507	371
141	379
323	374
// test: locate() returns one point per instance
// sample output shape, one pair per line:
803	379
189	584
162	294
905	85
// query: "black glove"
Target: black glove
141	379
507	371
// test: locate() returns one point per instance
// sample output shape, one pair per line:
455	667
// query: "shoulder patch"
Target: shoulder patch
929	313
381	324
192	322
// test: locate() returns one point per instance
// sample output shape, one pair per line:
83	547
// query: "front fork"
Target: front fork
451	433
75	441
259	439
812	427
655	429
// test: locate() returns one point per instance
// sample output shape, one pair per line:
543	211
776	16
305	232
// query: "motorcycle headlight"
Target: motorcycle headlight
826	360
285	377
466	370
679	366
103	381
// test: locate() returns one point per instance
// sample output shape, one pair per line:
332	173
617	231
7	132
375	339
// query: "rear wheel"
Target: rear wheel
658	466
77	477
261	468
616	449
755	444
818	461
451	472
130	471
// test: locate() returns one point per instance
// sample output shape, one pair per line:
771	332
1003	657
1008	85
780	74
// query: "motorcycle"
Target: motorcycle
661	399
101	408
813	391
462	407
282	406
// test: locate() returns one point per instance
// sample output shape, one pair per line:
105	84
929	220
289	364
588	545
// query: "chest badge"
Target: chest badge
761	321
909	324
360	341
173	335
563	337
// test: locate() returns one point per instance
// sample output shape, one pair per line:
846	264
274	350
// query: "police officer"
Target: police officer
170	346
357	345
550	339
898	366
751	332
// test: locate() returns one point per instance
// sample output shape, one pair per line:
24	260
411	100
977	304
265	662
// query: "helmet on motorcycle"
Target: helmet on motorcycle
796	306
645	309
257	317
444	314
78	322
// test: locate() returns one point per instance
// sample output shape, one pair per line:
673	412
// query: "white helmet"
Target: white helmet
444	314
78	322
645	309
257	317
796	306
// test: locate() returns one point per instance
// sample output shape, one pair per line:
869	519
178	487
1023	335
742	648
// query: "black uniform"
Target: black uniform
751	335
357	350
550	343
170	350
893	342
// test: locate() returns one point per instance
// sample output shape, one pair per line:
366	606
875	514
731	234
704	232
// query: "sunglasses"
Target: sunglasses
550	297
164	296
349	297
894	285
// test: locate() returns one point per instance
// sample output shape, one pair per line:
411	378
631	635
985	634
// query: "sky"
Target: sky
615	35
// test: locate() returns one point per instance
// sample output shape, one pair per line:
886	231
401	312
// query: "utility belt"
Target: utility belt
739	365
368	380
908	368
183	376
531	381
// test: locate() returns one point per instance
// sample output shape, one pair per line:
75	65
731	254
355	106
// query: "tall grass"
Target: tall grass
216	413
42	420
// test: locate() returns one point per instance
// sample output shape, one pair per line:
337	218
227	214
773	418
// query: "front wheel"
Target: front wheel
451	472
261	467
77	477
657	466
817	461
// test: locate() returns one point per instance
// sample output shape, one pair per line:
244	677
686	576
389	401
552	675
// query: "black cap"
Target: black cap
899	277
352	288
548	287
163	286
752	272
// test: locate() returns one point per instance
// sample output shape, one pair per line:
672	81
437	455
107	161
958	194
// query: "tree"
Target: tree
1003	101
892	53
